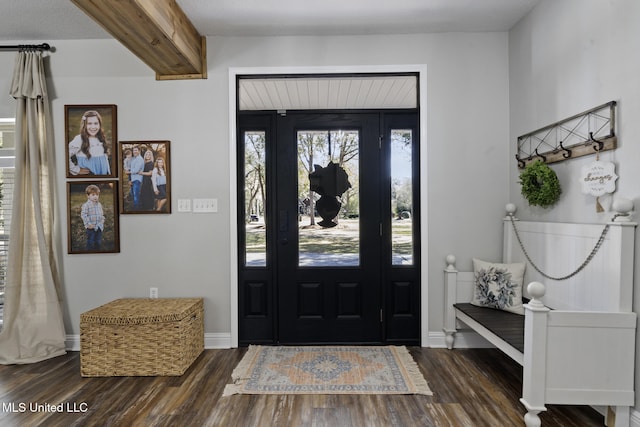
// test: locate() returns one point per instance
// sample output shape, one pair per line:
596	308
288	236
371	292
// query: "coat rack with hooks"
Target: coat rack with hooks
586	133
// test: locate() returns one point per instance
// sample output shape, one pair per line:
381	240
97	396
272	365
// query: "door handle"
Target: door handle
283	226
283	220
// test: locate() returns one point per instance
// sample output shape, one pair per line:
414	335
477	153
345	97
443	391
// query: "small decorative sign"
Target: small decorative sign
599	178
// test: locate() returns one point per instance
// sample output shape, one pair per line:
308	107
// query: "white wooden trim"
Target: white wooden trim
233	211
421	69
534	367
507	349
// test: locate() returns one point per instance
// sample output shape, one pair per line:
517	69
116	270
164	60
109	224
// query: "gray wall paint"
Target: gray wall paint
188	254
564	58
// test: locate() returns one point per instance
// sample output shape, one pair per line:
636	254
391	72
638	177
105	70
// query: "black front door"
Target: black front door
328	207
327	244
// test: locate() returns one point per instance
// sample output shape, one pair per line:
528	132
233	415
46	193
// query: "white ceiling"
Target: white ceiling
33	21
47	20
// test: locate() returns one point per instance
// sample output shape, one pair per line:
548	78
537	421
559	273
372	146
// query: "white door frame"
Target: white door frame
233	200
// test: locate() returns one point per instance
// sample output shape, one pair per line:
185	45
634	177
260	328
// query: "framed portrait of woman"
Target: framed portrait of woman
92	212
145	177
90	141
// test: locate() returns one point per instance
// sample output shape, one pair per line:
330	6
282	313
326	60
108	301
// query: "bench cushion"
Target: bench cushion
506	325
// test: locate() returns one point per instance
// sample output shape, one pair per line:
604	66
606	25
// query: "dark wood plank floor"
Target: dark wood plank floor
478	387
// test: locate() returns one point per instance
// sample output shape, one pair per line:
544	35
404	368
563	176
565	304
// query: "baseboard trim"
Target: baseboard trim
211	341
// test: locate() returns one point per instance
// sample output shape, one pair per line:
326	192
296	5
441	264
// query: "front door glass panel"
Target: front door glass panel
255	199
328	198
401	197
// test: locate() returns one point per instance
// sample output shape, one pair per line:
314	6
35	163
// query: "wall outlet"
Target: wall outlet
153	292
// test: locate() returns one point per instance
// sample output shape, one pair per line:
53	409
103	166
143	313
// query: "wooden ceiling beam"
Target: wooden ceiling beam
156	31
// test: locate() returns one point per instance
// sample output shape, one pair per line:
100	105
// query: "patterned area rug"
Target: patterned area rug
327	370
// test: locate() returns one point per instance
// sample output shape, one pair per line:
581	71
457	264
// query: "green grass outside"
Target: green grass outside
332	240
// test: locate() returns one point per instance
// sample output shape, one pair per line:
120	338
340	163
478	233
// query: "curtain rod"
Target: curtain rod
20	47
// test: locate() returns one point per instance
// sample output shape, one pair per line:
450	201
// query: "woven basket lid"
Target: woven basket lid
142	310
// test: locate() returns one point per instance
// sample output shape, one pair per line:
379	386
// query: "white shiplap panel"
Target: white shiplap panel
249	96
293	94
259	94
334	92
303	94
372	92
340	92
283	92
273	95
344	92
560	248
312	90
352	89
323	93
404	92
364	92
386	92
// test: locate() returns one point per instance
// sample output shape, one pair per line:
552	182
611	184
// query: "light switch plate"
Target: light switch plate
205	205
184	205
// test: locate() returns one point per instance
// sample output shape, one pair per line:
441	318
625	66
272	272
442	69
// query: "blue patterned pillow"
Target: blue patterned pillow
498	285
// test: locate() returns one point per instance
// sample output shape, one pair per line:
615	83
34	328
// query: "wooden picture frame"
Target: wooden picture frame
90	140
144	187
82	219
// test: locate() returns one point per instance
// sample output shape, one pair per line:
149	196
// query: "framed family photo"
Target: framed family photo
90	140
92	212
145	178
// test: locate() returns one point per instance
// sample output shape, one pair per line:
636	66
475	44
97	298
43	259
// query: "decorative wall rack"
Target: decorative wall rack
586	133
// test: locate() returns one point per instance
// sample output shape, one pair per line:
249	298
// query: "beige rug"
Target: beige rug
327	370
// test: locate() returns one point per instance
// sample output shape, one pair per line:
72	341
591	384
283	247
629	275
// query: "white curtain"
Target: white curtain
33	327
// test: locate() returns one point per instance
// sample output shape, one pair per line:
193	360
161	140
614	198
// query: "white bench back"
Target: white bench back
558	249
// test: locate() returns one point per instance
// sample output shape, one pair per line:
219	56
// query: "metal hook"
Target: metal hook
544	159
595	141
521	163
567	152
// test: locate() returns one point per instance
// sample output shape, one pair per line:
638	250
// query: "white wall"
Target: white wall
564	58
187	254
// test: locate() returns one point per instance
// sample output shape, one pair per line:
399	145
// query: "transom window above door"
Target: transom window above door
330	92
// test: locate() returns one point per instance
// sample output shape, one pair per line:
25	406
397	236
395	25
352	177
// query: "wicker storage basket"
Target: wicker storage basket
141	337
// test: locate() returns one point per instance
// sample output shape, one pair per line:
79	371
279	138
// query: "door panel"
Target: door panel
401	281
256	291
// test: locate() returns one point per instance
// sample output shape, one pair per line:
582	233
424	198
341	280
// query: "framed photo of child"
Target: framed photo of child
145	177
90	141
92	212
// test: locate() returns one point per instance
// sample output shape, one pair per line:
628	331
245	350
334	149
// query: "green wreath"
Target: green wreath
540	184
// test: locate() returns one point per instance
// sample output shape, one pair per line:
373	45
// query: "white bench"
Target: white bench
583	351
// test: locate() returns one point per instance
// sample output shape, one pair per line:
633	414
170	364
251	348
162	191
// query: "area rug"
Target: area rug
327	370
